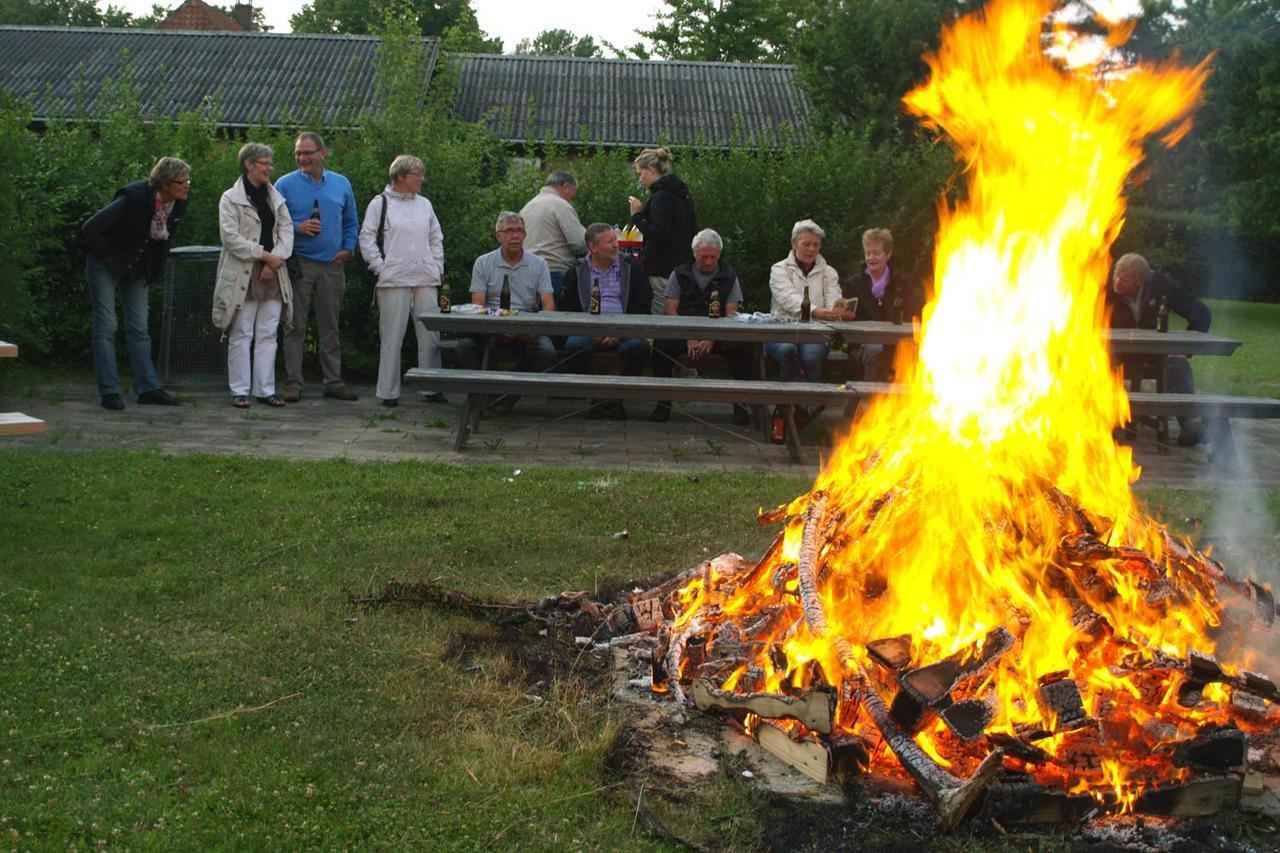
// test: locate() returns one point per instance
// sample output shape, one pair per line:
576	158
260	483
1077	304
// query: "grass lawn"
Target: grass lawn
179	666
1252	370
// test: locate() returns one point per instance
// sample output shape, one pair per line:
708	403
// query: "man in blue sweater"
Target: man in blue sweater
323	209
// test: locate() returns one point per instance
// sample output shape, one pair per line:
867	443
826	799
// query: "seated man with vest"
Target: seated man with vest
702	288
605	282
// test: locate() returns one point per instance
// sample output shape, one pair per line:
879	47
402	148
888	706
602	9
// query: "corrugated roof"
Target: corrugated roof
261	77
619	102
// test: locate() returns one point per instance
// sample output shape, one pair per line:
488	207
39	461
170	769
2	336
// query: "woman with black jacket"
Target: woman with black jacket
666	220
127	242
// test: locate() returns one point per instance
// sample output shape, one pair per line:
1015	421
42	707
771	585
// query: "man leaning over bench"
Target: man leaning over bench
605	282
528	280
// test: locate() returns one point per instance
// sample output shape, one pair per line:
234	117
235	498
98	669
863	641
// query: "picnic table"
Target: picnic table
1122	342
16	423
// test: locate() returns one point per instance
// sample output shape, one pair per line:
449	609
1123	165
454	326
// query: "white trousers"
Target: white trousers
254	326
396	307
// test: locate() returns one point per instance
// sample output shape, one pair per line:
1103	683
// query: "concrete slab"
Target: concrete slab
551	432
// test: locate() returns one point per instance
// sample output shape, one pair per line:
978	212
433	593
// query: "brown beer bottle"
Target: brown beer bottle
595	296
806	307
445	305
713	301
315	210
1162	315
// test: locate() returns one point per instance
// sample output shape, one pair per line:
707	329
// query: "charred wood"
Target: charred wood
1197	798
1060	702
1215	748
1022	800
932	684
806	754
968	718
815	709
892	653
1018	748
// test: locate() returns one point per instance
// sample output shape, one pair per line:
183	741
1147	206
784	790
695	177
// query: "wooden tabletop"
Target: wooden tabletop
565	323
557	323
8	350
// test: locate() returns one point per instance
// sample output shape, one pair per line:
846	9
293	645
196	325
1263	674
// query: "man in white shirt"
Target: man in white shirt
555	233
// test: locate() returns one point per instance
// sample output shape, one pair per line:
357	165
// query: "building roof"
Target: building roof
199	15
271	78
620	102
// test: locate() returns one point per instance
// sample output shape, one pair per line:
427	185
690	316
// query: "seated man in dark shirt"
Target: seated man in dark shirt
624	289
1137	296
688	292
884	294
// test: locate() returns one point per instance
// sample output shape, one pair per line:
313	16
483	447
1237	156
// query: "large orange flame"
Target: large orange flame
953	500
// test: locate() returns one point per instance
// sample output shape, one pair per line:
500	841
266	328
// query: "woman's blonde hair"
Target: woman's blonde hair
406	164
655	158
883	236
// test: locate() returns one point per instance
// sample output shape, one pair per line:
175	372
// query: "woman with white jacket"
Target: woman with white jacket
804	269
253	289
409	264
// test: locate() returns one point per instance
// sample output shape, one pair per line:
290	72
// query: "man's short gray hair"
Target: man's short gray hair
406	164
507	216
167	170
1133	262
806	226
559	179
311	136
707	237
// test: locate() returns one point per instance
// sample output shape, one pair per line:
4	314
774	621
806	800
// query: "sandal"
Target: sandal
240	401
273	401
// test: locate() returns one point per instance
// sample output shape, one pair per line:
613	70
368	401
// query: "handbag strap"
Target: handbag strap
382	220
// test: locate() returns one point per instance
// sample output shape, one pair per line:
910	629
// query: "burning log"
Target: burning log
893	653
1018	748
806	753
1060	702
932	685
807	568
1020	799
953	797
815	709
968	718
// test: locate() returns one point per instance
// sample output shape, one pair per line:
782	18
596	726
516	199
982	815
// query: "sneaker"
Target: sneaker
340	392
114	402
661	413
293	393
391	402
741	417
617	412
157	397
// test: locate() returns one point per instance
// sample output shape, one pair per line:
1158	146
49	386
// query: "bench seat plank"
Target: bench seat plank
1203	405
16	423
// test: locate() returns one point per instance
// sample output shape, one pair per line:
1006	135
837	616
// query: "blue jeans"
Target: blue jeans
557	285
633	353
798	362
102	286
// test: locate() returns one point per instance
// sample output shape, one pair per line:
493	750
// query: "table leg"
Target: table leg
1162	421
793	433
759	412
475	402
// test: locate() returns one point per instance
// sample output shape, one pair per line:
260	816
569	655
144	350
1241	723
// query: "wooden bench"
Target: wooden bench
477	384
16	423
1215	409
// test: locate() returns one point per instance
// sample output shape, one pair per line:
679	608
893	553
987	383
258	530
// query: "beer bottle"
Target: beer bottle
713	301
595	296
1162	315
806	307
504	301
445	305
315	210
897	308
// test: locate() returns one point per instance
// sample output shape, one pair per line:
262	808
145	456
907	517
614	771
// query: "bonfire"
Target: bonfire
971	589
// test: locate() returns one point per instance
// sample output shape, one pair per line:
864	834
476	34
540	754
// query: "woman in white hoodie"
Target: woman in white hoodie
409	263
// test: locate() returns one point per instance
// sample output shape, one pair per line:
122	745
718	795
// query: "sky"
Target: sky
512	20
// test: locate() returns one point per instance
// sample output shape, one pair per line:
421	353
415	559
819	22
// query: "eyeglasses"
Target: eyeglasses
182	183
310	153
268	163
510	230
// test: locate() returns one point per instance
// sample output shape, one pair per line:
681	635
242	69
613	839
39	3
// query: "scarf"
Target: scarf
261	198
160	220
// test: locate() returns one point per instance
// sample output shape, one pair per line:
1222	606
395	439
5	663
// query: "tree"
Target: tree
73	13
559	42
723	30
454	18
857	58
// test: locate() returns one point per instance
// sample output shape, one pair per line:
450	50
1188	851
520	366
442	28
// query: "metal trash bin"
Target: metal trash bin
192	352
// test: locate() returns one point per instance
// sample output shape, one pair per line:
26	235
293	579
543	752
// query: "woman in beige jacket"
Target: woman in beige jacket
253	288
803	269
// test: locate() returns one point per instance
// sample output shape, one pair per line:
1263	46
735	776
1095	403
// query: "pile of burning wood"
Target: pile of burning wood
1149	732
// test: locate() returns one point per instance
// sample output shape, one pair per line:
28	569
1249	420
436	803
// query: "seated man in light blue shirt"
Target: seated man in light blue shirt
529	281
